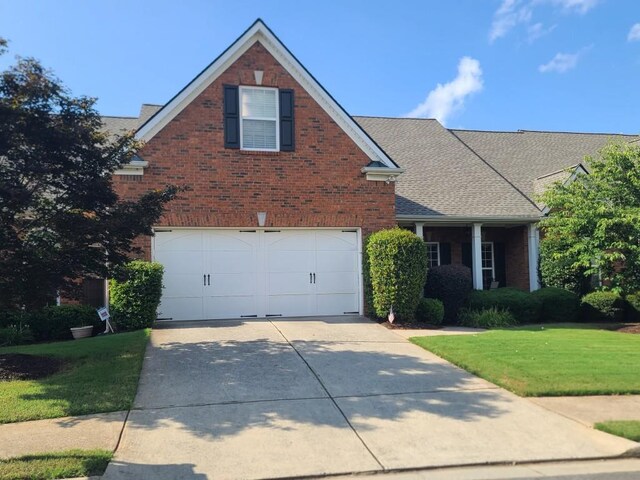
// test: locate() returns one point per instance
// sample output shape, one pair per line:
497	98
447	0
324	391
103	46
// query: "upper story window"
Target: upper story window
259	119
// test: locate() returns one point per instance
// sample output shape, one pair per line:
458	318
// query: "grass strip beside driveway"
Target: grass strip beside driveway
100	375
623	428
549	360
46	466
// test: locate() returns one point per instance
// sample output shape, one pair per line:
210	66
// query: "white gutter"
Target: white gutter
467	219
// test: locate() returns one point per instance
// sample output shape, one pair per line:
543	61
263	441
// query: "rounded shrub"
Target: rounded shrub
486	318
558	305
525	307
602	306
396	263
451	284
135	294
633	307
430	310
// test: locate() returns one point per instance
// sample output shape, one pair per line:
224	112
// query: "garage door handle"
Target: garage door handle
314	278
310	277
204	280
208	279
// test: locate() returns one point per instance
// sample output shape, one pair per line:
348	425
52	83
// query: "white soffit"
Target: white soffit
259	32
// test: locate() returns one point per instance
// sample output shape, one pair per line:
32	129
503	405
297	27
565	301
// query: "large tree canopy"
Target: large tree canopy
60	218
593	227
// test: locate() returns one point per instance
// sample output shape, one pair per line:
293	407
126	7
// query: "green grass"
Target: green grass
101	375
548	360
623	428
69	464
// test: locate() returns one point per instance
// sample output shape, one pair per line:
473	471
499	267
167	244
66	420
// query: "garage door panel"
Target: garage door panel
290	261
336	261
336	282
337	304
178	240
230	306
291	283
231	241
231	284
336	241
233	262
290	305
180	262
290	241
181	308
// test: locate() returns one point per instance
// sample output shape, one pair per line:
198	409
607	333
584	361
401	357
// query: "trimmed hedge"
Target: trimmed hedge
430	310
397	264
50	323
603	306
486	318
135	294
525	307
633	307
451	284
558	305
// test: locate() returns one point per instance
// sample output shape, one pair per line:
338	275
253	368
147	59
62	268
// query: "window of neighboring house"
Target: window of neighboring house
259	126
433	254
488	264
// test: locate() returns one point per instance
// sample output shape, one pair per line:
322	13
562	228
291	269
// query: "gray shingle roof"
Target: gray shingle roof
443	176
524	156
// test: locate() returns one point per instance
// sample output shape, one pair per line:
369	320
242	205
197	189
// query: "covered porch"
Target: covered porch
500	253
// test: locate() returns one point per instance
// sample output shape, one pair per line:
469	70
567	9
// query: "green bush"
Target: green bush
486	318
633	307
135	294
558	305
15	334
451	284
558	271
397	268
54	322
430	310
603	306
525	307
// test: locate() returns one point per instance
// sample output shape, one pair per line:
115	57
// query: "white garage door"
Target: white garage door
249	273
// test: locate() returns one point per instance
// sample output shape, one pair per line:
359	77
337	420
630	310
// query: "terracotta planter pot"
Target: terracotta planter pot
81	332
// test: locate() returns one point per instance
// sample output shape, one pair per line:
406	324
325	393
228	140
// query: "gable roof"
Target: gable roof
524	156
443	177
259	32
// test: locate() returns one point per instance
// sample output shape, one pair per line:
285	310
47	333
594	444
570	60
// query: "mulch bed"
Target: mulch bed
18	366
407	325
630	329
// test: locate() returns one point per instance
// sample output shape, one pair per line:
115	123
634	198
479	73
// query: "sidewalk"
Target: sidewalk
41	436
594	409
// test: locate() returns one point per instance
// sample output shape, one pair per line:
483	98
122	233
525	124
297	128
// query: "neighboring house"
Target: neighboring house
284	185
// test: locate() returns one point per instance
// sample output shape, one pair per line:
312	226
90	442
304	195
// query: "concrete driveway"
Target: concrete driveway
258	399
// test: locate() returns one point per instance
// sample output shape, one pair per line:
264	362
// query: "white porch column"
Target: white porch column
476	255
420	229
533	249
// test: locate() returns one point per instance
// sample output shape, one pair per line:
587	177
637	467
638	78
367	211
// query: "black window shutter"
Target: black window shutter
445	254
231	117
466	256
500	264
287	124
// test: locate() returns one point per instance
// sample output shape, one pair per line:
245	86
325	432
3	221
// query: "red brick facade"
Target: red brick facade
317	185
514	239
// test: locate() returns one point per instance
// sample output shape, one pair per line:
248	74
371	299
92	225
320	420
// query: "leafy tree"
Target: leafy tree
594	222
60	218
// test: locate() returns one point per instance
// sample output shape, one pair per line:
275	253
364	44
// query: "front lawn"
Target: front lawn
46	466
549	360
623	428
100	375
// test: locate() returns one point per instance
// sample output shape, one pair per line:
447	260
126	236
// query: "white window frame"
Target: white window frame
493	260
437	244
242	118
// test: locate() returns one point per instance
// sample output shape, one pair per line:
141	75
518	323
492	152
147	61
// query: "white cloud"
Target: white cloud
509	14
578	6
445	99
512	13
538	30
634	33
561	63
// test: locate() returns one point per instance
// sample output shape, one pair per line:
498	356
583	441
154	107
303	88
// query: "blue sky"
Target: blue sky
569	65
